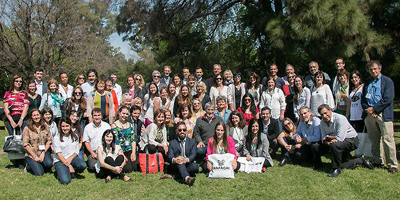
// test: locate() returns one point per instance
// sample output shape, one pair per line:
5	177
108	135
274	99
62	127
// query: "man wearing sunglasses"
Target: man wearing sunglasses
181	155
156	75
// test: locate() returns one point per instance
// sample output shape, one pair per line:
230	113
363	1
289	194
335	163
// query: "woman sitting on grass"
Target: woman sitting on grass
110	159
221	143
257	144
66	150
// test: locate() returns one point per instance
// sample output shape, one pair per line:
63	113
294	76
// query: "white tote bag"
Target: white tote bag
222	165
253	166
364	145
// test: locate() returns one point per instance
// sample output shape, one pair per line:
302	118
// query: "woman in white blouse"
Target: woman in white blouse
321	93
354	107
66	149
302	95
219	89
274	99
110	159
236	128
155	137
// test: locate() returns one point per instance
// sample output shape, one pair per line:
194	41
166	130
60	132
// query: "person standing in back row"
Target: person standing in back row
377	102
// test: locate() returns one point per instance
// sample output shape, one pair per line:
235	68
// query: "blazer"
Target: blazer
273	128
261	151
231	147
175	150
385	105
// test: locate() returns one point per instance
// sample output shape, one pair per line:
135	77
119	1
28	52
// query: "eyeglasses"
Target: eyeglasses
17	81
78	93
196	103
156	76
182	130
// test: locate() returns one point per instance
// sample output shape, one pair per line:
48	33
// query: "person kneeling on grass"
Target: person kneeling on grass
181	154
66	150
340	138
257	144
110	159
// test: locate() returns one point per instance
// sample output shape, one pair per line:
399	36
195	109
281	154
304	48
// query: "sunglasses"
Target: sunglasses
182	130
138	79
196	104
156	76
247	99
218	79
17	81
81	78
291	77
78	93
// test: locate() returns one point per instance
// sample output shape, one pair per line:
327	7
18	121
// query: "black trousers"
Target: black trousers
130	165
103	173
340	153
153	149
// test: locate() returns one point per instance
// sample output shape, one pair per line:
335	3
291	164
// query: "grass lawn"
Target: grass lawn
288	182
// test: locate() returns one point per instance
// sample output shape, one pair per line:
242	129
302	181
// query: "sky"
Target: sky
116	41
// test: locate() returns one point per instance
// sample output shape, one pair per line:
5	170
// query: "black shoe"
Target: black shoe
392	170
334	173
283	162
379	166
190	181
366	162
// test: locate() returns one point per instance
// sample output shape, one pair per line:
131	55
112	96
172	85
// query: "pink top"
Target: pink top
16	102
231	145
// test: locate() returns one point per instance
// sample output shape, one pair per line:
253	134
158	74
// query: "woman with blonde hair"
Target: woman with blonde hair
53	100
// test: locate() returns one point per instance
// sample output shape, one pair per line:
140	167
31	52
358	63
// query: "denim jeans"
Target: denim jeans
18	130
63	174
39	167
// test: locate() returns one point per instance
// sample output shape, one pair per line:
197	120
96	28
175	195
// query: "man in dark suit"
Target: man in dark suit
181	155
270	127
377	102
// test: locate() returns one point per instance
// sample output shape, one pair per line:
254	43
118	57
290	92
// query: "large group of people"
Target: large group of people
188	117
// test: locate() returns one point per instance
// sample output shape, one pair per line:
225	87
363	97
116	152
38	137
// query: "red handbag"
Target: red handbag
151	163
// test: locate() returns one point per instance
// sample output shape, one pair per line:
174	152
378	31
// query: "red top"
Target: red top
16	102
247	116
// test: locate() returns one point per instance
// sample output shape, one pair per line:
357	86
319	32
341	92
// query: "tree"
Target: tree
61	35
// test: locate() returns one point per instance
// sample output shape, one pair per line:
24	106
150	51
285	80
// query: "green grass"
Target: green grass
289	182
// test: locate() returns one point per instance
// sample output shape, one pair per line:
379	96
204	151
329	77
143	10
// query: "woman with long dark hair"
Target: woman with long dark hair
237	130
291	151
126	139
47	115
110	159
354	107
254	88
152	102
219	89
257	144
184	97
302	96
76	103
34	98
248	108
36	140
66	150
16	105
76	128
221	143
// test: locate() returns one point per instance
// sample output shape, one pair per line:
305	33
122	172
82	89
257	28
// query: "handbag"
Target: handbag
364	147
253	166
13	144
151	163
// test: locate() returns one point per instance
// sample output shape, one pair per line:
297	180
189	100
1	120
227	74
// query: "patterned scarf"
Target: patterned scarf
57	99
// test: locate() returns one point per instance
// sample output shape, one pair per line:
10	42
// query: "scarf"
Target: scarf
57	99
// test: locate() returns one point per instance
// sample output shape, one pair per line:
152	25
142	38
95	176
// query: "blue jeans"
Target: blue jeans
63	174
18	130
39	167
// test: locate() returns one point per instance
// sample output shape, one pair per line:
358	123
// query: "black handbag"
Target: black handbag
13	146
